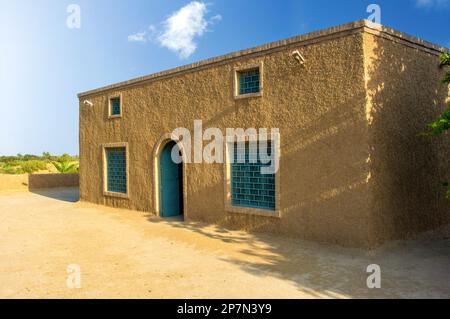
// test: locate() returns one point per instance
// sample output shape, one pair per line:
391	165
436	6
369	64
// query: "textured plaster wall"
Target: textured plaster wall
37	181
320	110
407	169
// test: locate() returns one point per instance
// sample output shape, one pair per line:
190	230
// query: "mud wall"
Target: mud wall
37	181
407	167
319	109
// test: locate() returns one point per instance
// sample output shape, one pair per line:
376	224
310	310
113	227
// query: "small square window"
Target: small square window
115	106
249	81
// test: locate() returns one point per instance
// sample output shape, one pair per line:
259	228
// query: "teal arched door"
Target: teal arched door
171	183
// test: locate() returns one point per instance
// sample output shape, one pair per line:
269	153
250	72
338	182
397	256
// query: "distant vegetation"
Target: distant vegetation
23	164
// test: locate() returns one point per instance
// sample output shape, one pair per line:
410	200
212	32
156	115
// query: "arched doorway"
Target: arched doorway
170	182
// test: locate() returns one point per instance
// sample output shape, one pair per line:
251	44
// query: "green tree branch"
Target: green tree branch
442	124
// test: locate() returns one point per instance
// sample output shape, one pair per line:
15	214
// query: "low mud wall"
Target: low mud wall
37	181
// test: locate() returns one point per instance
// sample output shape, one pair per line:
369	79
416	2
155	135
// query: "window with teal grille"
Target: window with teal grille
115	106
249	81
116	169
250	188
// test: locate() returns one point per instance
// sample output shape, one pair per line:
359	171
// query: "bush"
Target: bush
33	166
9	167
66	167
65	158
8	170
22	164
23	167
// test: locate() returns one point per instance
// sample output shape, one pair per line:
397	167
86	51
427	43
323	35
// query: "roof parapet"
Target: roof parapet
300	40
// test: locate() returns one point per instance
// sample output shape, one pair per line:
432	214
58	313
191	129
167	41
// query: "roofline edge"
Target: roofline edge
325	34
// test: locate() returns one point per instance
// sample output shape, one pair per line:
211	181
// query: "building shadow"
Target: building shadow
329	271
63	187
67	194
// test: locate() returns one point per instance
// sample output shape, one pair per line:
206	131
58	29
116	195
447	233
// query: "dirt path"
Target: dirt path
125	254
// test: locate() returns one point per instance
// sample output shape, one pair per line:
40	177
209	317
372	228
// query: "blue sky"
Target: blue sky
44	63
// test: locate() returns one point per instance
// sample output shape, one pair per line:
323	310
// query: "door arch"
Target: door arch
170	182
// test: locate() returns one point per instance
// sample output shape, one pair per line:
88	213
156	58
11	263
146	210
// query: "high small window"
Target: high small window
249	81
249	187
116	170
115	107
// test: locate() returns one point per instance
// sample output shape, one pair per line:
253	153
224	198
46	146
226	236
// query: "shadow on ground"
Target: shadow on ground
414	269
71	195
410	269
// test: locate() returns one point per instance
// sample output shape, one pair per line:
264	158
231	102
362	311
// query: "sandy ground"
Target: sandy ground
126	254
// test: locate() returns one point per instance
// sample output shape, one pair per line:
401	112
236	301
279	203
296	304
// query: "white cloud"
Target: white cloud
181	28
179	31
424	3
431	3
138	37
152	29
217	17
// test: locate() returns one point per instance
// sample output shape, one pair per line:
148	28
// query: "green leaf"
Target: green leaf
441	124
446	79
445	59
66	167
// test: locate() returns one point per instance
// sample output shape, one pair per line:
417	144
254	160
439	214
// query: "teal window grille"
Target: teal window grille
250	188
116	170
115	106
249	81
